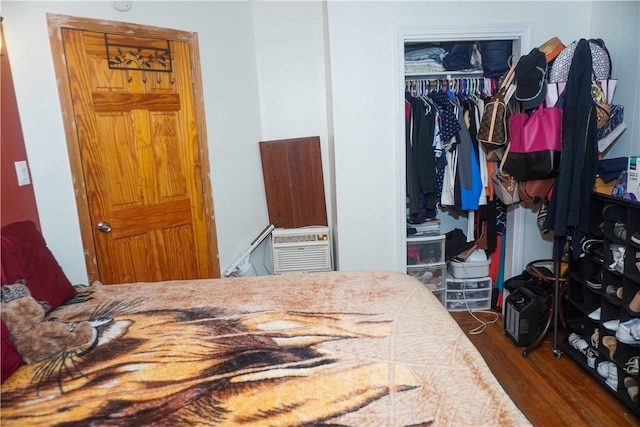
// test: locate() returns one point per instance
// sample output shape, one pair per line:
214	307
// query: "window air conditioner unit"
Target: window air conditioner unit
305	249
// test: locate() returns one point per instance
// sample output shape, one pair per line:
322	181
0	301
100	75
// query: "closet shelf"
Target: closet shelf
443	75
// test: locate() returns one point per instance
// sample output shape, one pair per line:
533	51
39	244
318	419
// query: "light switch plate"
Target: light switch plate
22	172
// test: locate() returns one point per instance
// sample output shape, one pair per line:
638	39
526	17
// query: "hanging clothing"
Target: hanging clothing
473	115
448	194
450	110
422	188
468	168
412	181
449	124
569	204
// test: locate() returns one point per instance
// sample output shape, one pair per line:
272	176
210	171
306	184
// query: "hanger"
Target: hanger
427	103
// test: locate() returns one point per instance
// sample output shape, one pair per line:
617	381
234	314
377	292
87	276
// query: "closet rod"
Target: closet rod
486	86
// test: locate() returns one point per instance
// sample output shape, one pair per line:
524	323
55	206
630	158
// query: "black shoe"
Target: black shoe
620	231
593	247
614	213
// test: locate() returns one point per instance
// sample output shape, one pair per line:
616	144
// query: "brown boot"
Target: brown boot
634	305
611	344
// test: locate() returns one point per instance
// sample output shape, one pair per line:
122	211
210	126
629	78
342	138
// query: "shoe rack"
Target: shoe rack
601	302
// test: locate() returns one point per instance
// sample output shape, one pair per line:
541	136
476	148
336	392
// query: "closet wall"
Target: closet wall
618	23
435	71
228	64
318	68
367	87
519	215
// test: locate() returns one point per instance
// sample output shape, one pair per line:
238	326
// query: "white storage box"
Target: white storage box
477	265
469	269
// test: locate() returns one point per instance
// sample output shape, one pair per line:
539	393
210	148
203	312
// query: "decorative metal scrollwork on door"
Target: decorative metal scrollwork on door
140	58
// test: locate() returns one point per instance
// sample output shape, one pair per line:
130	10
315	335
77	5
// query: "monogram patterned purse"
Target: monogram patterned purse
493	132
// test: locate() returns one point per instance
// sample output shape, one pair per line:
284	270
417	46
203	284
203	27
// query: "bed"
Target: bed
370	348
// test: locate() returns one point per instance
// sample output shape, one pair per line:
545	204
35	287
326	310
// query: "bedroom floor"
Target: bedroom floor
551	383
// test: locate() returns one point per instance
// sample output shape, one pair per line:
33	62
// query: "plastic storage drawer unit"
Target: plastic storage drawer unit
433	276
425	262
425	249
468	294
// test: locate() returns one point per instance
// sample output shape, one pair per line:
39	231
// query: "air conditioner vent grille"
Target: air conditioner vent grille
298	238
303	258
301	252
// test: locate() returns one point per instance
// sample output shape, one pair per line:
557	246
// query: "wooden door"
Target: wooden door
141	158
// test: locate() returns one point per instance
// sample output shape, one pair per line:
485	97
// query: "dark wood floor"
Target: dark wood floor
550	391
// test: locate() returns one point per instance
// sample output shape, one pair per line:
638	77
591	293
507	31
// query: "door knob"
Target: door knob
104	226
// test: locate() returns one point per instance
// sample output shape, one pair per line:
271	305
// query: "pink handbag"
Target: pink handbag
536	144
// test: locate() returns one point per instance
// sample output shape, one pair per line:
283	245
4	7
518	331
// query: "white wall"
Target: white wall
258	60
365	108
618	24
290	61
228	61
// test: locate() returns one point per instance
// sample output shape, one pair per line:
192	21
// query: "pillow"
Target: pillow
11	359
25	256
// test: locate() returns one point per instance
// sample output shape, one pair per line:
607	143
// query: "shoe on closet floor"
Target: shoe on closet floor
612	378
577	342
595	338
603	368
634	304
595	314
594	248
594	284
617	251
631	384
592	355
610	344
635	238
615	291
620	231
632	366
614	213
612	324
629	332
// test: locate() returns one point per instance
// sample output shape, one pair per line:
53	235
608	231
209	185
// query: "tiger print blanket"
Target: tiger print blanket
322	349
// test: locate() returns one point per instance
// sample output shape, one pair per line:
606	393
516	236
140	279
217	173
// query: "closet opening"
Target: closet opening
443	80
431	60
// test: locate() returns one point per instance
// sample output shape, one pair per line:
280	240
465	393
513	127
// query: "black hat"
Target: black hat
531	84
